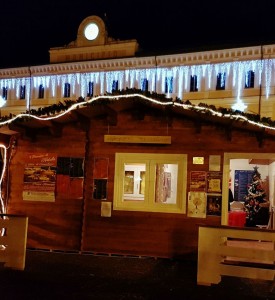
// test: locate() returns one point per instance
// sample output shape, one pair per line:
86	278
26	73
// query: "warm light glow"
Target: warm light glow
2	101
239	105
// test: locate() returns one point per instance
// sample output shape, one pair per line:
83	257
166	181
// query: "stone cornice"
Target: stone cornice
215	56
95	66
194	58
15	72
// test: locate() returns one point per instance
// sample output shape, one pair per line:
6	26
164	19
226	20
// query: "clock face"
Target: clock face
91	31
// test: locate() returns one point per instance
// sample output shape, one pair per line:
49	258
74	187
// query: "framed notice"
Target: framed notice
40	177
214	182
197	181
214	162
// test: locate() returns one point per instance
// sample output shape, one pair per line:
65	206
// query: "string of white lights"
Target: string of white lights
143	97
4	154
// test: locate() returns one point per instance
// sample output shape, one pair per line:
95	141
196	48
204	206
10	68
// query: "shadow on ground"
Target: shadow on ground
54	275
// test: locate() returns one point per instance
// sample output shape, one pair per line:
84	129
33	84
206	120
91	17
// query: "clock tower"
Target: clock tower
93	43
92	31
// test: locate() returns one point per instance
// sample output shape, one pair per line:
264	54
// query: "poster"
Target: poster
214	182
106	209
196	205
214	205
241	181
214	163
40	177
198	181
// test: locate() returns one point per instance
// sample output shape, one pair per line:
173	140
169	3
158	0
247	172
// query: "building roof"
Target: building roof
51	119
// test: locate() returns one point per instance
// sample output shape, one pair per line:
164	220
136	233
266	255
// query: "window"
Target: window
134	181
249	79
41	91
221	81
150	182
5	93
168	85
22	92
115	85
144	85
67	90
193	83
90	91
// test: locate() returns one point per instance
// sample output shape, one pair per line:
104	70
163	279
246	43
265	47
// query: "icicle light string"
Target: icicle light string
238	69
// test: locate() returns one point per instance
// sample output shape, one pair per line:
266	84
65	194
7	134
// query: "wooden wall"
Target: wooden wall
77	225
154	234
52	225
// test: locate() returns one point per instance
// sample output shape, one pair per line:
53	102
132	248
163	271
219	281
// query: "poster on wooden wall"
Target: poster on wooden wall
198	181
40	177
214	182
242	179
214	205
196	205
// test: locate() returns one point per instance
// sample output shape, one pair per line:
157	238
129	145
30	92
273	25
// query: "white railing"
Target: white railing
235	251
13	240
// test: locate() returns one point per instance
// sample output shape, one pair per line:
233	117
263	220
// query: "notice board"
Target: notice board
242	179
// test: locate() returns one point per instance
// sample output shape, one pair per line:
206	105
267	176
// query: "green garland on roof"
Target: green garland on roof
64	106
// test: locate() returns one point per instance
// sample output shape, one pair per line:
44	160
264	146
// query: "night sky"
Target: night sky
29	28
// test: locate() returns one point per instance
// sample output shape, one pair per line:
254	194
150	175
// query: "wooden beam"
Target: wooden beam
228	132
111	115
260	138
197	125
83	121
56	130
16	127
138	113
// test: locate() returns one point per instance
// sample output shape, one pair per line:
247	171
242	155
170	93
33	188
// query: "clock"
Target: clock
91	31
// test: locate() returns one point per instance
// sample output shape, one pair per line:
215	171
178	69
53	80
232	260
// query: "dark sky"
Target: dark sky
29	28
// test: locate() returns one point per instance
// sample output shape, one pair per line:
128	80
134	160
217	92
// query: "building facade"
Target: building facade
239	78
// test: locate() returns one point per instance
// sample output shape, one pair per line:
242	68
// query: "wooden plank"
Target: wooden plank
241	254
246	272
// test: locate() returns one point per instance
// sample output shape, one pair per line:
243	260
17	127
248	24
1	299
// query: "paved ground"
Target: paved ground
53	275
